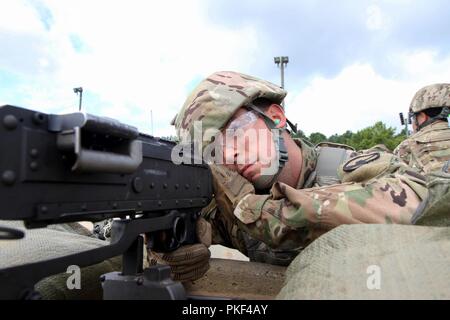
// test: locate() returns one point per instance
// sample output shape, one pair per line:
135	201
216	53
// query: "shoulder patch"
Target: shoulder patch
358	161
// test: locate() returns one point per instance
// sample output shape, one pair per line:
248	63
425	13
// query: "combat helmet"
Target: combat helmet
432	96
217	98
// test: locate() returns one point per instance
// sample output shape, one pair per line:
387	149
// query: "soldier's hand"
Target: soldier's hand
189	262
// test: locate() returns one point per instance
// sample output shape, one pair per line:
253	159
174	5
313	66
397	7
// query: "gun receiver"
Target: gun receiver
79	167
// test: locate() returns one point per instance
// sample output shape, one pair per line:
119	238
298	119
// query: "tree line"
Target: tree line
365	138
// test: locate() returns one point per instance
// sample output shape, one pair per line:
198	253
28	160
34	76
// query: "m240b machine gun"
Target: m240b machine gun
79	167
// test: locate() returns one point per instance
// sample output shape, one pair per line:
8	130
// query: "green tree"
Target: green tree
317	137
171	138
379	133
299	134
343	138
365	138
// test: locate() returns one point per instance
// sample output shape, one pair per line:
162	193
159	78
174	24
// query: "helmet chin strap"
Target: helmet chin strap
265	181
441	116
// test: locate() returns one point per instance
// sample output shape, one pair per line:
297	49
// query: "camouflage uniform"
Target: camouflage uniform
289	218
429	148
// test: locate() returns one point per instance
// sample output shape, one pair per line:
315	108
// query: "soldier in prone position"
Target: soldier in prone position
272	217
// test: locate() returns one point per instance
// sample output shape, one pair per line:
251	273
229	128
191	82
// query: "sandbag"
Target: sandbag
412	262
52	242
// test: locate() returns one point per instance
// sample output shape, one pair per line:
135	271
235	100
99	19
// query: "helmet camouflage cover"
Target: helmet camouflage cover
215	100
432	96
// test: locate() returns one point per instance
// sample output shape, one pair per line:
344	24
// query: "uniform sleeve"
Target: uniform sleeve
289	218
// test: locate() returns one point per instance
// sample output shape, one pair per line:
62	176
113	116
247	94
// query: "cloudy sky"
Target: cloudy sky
352	63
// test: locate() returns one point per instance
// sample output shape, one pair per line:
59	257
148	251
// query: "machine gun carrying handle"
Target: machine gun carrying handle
72	127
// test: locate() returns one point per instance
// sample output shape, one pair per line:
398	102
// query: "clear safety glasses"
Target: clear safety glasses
237	129
243	121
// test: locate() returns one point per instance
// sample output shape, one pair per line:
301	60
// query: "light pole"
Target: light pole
79	90
151	120
405	123
281	62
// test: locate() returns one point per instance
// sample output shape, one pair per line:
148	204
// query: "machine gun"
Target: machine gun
79	167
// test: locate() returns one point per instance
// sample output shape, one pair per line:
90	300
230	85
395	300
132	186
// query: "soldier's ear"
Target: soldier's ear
422	117
276	113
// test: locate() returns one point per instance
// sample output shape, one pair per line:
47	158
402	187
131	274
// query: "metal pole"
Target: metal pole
81	99
404	122
281	62
151	119
79	90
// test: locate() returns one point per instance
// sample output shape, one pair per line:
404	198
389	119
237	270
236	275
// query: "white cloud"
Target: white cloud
358	97
376	19
20	17
138	54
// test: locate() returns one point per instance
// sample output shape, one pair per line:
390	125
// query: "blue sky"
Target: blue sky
351	62
325	36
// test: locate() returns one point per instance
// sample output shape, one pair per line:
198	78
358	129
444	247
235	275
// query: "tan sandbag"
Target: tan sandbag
52	242
413	263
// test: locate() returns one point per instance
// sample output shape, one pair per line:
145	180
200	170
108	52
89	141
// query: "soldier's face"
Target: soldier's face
248	145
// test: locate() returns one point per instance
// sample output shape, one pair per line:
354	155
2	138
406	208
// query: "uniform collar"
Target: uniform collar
309	156
438	125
